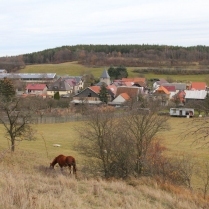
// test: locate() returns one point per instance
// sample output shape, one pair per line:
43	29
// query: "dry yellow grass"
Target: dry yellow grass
27	182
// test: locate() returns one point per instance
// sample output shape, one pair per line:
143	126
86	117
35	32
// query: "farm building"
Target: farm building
182	112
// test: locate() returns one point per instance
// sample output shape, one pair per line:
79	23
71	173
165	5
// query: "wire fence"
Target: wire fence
58	119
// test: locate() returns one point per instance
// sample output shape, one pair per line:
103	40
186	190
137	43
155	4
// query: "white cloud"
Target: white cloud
28	26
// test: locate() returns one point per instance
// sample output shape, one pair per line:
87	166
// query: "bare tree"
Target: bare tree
120	142
204	176
83	105
16	121
99	128
196	129
142	126
185	169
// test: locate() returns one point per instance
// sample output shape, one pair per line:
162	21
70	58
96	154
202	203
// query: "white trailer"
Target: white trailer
182	112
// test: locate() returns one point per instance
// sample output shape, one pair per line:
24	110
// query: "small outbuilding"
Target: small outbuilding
182	112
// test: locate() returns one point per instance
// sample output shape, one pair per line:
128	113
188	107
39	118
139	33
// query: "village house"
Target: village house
66	86
121	99
36	89
198	86
60	86
171	89
159	82
76	82
139	82
191	95
162	94
90	95
125	94
179	97
178	86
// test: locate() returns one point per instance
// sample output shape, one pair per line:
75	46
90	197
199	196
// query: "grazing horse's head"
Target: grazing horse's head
51	166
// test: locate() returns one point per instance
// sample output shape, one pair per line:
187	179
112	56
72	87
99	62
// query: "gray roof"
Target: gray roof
161	81
105	74
76	78
195	94
59	85
25	76
178	86
100	84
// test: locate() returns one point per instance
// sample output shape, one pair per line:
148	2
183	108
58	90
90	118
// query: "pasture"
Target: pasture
75	69
27	182
66	136
63	134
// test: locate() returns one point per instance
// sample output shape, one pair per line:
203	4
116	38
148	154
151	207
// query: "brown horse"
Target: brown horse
64	161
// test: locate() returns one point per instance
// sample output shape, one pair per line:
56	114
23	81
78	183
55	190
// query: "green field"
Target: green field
66	135
47	135
75	69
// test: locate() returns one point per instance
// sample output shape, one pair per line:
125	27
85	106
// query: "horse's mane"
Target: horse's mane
54	161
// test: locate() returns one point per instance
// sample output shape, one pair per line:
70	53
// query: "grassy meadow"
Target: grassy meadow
66	135
75	69
27	182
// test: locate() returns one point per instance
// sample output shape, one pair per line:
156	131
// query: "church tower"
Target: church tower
105	78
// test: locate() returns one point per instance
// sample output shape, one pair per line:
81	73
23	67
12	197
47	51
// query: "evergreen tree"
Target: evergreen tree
57	95
103	94
122	72
7	90
112	72
118	72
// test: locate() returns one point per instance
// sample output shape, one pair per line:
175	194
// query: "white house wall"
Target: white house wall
119	99
195	94
51	93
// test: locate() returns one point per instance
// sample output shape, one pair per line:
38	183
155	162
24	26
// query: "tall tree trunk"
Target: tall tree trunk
12	144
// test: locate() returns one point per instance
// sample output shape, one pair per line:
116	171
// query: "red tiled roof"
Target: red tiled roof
113	88
134	79
129	83
162	89
198	85
131	91
96	89
36	86
170	88
125	96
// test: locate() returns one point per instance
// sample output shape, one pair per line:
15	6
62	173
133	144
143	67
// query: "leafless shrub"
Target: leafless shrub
203	175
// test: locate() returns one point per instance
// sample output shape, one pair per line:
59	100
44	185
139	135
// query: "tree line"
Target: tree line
132	55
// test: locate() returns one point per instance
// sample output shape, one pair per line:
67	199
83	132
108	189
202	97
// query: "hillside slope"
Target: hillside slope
27	182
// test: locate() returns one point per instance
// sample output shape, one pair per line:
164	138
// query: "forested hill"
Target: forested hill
106	55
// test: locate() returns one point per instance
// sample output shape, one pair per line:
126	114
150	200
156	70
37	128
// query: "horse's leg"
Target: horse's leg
69	166
74	169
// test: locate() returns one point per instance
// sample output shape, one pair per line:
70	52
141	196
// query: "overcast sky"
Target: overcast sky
28	26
